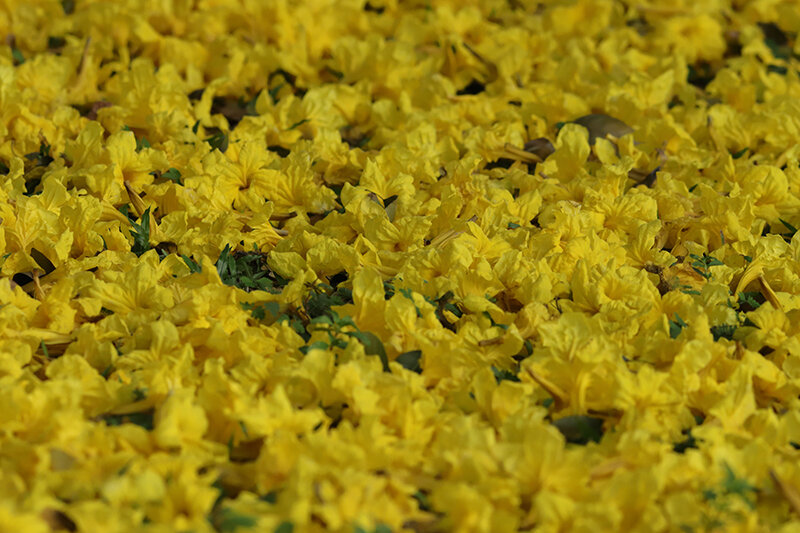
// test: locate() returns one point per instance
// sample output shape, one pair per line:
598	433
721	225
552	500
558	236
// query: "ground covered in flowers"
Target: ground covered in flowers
486	265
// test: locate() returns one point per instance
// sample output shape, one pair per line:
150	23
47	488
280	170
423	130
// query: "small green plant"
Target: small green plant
247	271
702	264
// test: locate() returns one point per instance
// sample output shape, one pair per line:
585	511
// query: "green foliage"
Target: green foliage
298	124
218	140
689	442
701	265
723	331
273	93
17	56
141	234
192	264
285	527
580	429
410	360
380	528
740	153
143	419
792	230
173	174
260	311
248	271
504	375
337	327
422	500
324	296
731	486
42	158
750	300
443	303
372	346
229	520
528	347
676	326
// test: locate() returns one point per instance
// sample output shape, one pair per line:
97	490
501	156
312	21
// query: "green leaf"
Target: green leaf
193	266
298	124
17	56
141	234
580	429
456	311
749	299
54	42
792	229
45	351
173	174
285	527
410	360
232	520
676	326
219	141
318	345
725	331
740	153
226	266
738	486
42	158
528	347
343	321
142	419
273	308
682	446
701	272
372	346
270	497
513	225
322	319
142	143
273	93
422	500
504	375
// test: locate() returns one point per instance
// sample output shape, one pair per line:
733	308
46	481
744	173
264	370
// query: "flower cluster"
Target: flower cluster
371	266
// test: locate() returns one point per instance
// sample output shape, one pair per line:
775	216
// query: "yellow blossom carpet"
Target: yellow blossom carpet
370	267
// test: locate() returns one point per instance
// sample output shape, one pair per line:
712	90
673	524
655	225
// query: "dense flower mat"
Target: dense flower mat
345	266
